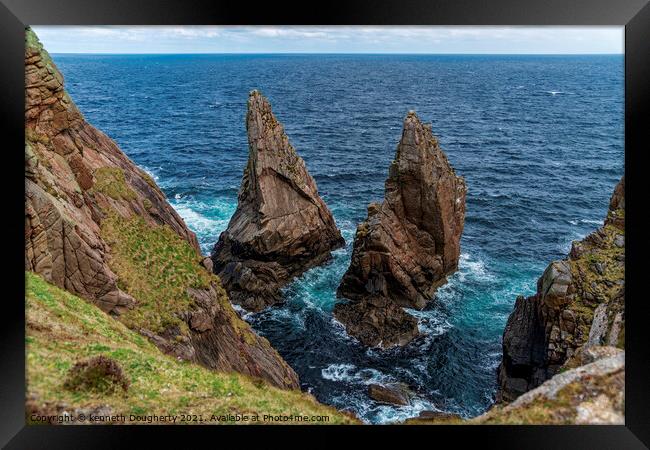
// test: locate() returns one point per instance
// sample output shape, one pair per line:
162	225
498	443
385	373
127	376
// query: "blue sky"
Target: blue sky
330	39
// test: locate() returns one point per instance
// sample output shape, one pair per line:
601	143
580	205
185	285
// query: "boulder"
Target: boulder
377	322
281	226
393	393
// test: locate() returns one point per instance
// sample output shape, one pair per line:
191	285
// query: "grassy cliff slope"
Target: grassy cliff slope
63	329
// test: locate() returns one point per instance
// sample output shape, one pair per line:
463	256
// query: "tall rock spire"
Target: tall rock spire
408	244
281	226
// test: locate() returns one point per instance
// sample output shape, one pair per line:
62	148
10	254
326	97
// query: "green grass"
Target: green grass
64	329
156	267
110	181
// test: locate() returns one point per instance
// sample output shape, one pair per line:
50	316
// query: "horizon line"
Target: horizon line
342	53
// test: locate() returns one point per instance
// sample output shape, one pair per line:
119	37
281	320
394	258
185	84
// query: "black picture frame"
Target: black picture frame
633	14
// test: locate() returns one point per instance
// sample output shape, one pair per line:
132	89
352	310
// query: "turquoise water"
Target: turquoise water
539	140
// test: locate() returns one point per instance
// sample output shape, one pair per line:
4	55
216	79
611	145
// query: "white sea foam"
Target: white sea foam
243	314
151	173
338	372
471	268
350	374
430	322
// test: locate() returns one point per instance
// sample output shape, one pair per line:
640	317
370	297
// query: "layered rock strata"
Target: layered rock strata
281	226
407	245
579	303
76	179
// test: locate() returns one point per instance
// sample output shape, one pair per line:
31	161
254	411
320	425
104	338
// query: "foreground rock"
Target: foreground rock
590	393
579	304
377	322
393	393
408	244
281	226
89	212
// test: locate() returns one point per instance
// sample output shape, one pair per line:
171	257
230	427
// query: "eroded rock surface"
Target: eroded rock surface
408	244
589	394
281	226
75	178
579	303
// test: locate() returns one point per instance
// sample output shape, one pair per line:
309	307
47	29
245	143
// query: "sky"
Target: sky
330	39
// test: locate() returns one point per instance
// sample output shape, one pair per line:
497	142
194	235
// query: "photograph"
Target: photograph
405	225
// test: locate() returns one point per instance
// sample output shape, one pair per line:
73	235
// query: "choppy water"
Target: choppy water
539	140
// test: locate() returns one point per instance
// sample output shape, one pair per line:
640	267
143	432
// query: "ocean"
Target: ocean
539	140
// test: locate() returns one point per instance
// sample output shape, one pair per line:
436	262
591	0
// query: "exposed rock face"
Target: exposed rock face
579	303
75	178
590	394
281	226
410	242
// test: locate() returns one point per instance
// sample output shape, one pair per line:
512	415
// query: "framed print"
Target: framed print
420	217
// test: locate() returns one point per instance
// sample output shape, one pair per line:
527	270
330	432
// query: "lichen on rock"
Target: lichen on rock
579	303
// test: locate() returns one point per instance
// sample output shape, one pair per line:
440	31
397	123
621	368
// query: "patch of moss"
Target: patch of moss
155	266
111	181
62	329
601	286
99	374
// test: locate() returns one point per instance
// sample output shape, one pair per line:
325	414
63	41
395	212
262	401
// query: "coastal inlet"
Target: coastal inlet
538	140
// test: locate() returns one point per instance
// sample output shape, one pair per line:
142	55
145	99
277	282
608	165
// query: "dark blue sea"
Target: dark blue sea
539	140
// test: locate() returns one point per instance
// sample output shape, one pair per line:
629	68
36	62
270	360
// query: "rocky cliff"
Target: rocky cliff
281	226
408	244
591	391
99	227
579	303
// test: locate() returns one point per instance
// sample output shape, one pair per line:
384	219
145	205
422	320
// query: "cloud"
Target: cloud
341	39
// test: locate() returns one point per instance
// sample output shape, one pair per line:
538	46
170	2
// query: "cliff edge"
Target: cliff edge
579	303
98	226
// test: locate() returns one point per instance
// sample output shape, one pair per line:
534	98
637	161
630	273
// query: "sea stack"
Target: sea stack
281	226
408	244
577	312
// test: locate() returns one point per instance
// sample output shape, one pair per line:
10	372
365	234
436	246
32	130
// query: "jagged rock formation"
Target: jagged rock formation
579	303
281	226
77	181
408	244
